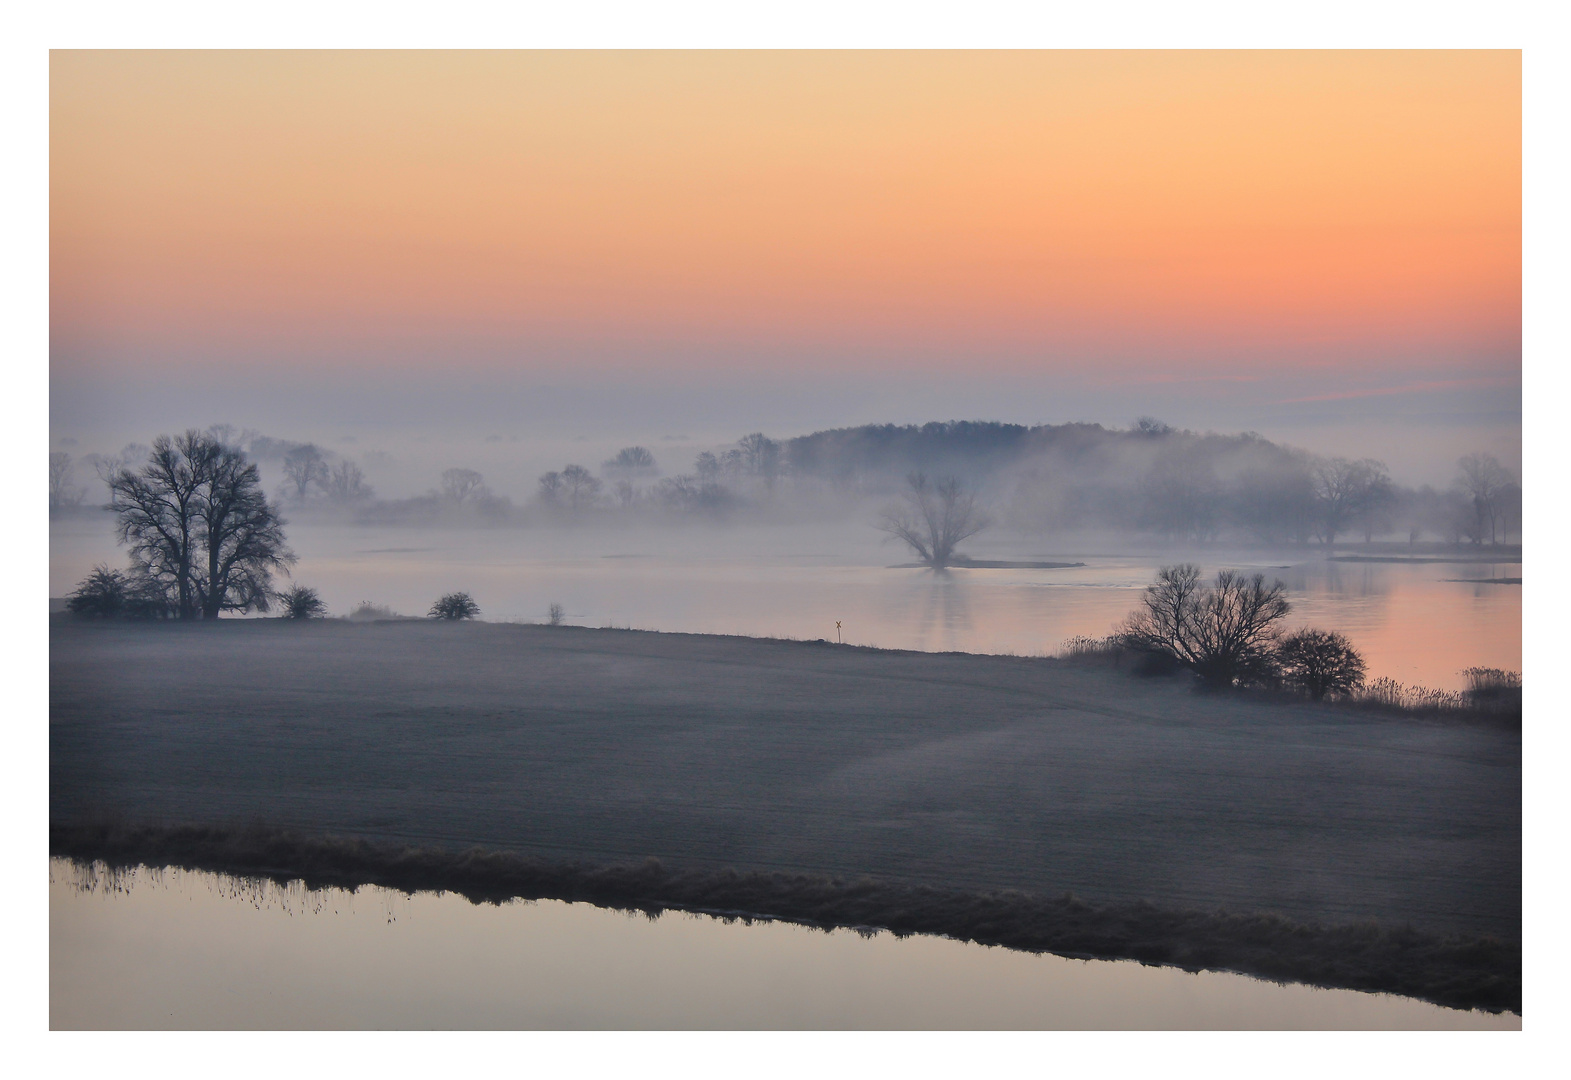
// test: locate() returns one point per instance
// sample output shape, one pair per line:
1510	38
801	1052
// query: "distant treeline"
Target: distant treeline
1149	479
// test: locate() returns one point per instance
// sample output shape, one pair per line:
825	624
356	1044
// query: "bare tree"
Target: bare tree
760	457
1484	485
1320	662
1345	491
346	484
62	495
933	517
199	527
551	488
1225	633
579	485
631	461
462	485
303	467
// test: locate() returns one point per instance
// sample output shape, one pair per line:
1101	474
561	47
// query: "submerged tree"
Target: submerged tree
933	517
1225	632
199	526
1320	662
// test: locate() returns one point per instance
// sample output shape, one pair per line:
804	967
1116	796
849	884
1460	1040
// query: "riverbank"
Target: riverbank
1457	972
968	775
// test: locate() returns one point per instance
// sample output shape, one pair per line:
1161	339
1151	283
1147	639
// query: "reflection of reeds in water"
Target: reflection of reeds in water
1459	971
290	896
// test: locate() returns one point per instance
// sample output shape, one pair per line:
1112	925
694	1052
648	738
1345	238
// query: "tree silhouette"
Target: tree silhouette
303	466
455	606
1320	662
199	527
1225	633
933	517
301	602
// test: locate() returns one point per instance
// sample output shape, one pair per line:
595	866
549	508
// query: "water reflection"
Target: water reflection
1416	622
945	622
178	949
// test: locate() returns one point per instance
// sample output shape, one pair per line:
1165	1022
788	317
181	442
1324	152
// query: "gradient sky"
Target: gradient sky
1220	214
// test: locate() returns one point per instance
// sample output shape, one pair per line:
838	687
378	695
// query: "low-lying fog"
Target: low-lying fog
780	536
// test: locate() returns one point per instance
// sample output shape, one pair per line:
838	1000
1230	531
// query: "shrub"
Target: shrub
111	594
369	612
555	614
100	595
301	602
457	605
1320	662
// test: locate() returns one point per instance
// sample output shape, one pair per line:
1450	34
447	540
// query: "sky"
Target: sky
1323	246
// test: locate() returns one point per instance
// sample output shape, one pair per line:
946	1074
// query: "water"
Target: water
1411	621
181	949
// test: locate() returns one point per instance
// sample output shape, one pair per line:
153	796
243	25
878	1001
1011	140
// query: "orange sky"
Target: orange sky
1014	212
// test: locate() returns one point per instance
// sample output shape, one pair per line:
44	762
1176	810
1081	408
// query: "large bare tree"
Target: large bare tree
933	516
199	526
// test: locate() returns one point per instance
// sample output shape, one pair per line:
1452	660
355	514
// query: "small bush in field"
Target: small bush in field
301	602
101	595
454	606
555	614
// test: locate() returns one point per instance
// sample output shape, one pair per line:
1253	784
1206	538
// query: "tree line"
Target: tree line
1150	479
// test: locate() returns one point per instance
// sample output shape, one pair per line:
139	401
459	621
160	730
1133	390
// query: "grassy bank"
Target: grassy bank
958	773
1455	971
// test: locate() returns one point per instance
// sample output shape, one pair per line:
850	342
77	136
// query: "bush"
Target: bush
457	605
300	602
555	614
369	612
1320	662
101	595
111	594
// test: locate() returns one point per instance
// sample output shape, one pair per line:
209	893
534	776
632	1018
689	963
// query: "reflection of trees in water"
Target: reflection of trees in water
946	610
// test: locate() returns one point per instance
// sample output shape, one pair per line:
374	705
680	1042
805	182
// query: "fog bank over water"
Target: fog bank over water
1419	428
